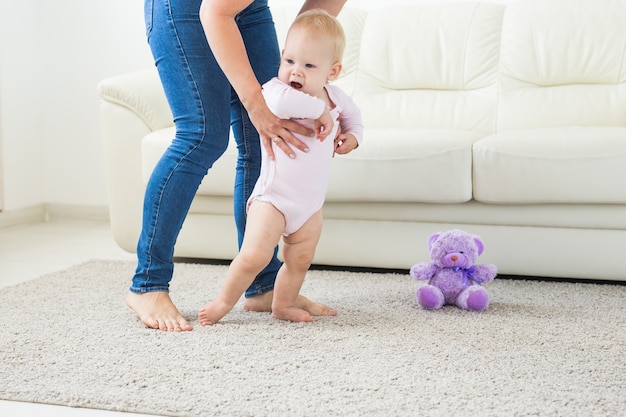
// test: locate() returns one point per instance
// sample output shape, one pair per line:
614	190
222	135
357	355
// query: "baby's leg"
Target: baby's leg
298	252
264	227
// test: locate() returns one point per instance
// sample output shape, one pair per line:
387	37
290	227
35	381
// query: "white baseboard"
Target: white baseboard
66	211
49	212
34	214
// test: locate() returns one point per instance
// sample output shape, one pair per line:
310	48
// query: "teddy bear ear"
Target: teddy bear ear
432	239
479	244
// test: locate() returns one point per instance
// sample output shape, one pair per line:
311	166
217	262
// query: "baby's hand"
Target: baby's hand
345	143
324	124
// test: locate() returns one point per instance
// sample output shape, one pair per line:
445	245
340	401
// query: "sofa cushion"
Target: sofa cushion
563	64
405	165
528	166
430	67
392	165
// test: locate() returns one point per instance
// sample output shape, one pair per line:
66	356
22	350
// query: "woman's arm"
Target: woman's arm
222	33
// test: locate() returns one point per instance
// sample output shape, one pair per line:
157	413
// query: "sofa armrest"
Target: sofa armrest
131	106
140	93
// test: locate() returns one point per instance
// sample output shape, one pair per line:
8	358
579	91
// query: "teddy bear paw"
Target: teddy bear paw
473	298
429	297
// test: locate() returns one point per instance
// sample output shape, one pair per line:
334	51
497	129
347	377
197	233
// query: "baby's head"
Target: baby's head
313	52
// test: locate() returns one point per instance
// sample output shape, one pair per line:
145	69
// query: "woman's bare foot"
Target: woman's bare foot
212	312
263	303
157	311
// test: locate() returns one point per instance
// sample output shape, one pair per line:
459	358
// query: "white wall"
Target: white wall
52	55
19	93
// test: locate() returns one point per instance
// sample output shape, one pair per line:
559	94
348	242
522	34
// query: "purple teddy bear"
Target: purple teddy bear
453	277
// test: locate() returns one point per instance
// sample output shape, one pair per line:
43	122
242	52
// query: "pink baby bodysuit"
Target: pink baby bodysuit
297	187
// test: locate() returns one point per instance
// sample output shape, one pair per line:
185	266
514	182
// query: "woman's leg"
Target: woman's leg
198	94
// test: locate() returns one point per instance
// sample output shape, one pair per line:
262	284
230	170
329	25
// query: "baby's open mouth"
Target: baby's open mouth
296	85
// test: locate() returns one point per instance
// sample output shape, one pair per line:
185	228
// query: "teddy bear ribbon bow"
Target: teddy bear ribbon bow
468	275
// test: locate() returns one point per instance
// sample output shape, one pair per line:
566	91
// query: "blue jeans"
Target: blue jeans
204	107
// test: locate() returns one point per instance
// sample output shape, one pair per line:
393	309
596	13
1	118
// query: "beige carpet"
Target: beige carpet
541	349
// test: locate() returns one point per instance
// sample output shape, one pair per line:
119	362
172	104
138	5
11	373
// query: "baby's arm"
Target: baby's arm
351	119
325	123
350	126
287	102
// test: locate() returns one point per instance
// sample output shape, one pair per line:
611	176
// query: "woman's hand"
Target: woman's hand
273	129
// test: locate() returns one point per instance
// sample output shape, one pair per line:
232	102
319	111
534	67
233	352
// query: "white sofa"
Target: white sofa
508	121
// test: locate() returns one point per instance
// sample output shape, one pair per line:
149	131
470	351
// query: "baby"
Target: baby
288	197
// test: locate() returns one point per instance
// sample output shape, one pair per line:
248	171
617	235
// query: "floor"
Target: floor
29	251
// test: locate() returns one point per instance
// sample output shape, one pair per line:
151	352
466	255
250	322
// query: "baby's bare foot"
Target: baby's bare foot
212	312
313	308
292	314
263	303
157	311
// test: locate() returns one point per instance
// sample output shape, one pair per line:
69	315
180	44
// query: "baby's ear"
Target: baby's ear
335	70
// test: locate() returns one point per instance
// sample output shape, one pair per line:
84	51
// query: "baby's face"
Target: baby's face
307	63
